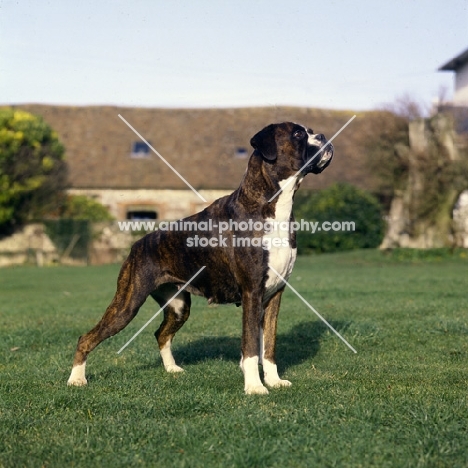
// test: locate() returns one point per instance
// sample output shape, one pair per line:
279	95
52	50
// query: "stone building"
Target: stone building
208	147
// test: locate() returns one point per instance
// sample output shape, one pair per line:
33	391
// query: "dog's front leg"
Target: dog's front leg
251	321
268	343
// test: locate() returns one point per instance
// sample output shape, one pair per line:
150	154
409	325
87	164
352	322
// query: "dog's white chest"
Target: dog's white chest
282	255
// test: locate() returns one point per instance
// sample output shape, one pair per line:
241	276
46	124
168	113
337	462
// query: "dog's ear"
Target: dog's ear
264	143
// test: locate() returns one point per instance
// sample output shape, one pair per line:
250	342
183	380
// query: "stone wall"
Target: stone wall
108	245
29	245
168	204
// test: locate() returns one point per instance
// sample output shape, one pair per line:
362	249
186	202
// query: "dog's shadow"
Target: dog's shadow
301	343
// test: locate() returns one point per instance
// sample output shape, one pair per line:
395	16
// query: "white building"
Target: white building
458	108
459	65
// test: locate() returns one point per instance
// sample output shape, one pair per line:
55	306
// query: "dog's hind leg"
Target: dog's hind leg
268	343
176	313
132	291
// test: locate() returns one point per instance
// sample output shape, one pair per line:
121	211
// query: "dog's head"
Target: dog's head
293	146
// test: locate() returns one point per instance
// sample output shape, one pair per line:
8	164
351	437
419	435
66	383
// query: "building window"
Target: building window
241	153
142	214
140	150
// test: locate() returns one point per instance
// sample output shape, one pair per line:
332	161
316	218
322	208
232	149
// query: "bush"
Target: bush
82	207
32	168
71	234
339	202
69	227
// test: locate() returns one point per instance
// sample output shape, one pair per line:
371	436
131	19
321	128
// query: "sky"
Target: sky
355	55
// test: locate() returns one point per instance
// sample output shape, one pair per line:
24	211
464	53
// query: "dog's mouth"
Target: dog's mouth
318	158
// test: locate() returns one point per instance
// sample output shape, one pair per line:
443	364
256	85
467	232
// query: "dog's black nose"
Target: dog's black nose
321	137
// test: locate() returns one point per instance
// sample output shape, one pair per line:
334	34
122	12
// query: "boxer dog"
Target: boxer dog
247	273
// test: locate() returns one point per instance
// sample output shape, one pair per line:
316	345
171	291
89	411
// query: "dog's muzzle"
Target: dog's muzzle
319	154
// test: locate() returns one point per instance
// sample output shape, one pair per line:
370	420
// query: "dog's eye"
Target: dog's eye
299	134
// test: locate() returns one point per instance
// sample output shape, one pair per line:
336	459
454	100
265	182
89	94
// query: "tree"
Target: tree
32	167
384	131
424	169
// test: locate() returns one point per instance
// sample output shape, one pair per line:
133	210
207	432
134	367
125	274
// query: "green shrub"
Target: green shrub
339	202
82	207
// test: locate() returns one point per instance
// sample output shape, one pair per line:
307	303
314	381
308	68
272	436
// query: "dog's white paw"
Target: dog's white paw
174	368
256	390
77	377
77	382
278	383
272	379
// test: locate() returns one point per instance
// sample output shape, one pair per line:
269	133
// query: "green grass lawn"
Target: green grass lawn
400	402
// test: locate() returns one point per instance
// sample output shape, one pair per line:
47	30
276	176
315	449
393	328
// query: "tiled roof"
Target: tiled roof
455	63
205	145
